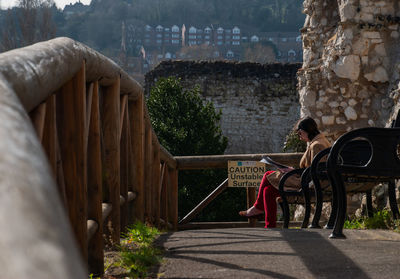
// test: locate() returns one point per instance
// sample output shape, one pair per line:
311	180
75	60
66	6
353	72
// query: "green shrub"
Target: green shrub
137	251
293	143
381	220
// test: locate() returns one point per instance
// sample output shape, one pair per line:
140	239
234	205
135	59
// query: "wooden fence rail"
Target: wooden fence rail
79	161
94	159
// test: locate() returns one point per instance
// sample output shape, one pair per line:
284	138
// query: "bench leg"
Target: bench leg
332	217
370	209
340	191
392	199
318	206
286	212
307	204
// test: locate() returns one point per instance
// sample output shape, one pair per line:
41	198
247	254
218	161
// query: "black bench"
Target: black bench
366	157
356	153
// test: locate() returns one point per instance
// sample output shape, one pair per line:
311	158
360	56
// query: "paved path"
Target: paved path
276	253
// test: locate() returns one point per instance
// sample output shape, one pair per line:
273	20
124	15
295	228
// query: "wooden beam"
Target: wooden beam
106	209
204	202
136	113
60	174
131	196
110	113
92	228
148	174
173	199
131	167
95	185
165	156
71	122
221	161
124	99
49	140
164	193
38	119
124	161
156	186
89	97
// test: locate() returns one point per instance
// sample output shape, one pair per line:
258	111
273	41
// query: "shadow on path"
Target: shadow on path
251	253
320	256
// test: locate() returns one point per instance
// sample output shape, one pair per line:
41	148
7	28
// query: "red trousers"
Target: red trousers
266	201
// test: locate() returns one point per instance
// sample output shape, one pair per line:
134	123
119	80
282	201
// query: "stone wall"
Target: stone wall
350	74
259	103
351	70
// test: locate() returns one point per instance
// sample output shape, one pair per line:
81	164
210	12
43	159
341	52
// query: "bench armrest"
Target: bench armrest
286	176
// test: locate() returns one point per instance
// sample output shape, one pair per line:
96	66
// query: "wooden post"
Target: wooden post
156	185
49	140
110	113
173	199
95	192
38	119
71	109
251	198
124	162
163	193
148	174
136	111
131	168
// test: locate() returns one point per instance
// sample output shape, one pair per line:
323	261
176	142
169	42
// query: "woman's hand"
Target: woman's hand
286	169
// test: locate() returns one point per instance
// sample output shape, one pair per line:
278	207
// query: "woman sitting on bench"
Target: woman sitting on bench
268	193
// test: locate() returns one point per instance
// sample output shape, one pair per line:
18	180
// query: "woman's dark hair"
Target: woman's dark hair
308	125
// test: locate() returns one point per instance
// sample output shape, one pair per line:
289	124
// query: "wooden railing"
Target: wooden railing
91	153
221	162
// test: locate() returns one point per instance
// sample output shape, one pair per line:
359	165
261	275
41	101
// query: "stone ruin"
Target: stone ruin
350	74
351	70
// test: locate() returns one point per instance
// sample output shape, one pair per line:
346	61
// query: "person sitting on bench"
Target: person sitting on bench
268	193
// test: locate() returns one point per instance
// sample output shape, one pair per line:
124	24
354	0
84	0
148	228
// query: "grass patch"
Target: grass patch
381	220
137	251
135	255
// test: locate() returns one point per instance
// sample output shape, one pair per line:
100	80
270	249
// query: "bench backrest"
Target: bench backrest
367	151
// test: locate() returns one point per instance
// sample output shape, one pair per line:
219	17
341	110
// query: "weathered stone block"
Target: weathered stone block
350	113
348	67
379	75
328	120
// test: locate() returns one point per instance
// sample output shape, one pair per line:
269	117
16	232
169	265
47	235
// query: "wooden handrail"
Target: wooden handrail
86	111
220	161
56	62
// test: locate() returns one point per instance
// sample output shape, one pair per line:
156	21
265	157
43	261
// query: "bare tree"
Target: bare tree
259	53
30	22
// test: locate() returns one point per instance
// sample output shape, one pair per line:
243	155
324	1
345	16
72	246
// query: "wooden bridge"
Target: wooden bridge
80	161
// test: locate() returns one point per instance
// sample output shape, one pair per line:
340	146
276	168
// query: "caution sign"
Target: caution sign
245	173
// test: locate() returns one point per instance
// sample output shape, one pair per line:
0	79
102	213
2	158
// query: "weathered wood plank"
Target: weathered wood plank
124	161
163	193
123	102
60	174
136	111
89	97
173	199
148	173
49	140
165	156
131	170
204	202
95	184
71	109
221	161
156	185
110	120
38	116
